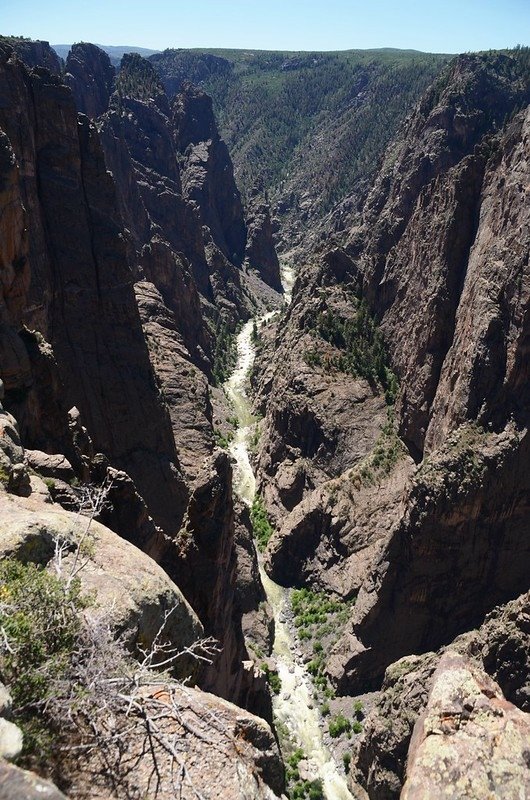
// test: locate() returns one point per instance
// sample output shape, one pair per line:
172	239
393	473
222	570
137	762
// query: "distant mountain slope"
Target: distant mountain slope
307	125
116	52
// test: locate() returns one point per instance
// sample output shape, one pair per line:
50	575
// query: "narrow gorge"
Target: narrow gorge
264	424
296	716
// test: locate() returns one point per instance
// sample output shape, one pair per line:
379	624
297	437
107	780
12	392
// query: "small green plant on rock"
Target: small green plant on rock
4	475
273	679
222	441
356	726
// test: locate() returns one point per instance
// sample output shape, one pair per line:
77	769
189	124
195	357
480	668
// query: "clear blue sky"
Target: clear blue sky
433	25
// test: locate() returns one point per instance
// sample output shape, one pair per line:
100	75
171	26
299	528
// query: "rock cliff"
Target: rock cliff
91	76
124	340
498	648
407	515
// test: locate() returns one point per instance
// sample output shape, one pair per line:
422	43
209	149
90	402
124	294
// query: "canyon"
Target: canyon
269	445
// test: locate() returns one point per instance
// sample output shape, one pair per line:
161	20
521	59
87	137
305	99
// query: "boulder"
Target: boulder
11	739
50	465
18	784
130	589
469	738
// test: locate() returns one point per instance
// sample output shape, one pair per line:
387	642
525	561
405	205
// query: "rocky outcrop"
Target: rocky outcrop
322	544
35	53
310	434
202	561
133	592
208	178
223	752
19	784
448	559
198	67
90	75
499	647
260	252
251	601
431	198
468	735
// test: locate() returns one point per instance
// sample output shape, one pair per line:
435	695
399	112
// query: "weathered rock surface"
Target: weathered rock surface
311	434
11	739
19	784
48	465
500	647
36	53
207	176
90	75
427	213
72	218
131	589
449	558
322	544
441	252
469	737
202	561
260	253
223	752
256	615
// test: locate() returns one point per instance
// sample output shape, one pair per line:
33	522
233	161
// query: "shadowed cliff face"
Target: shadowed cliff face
421	221
441	252
35	53
90	75
81	295
208	176
119	278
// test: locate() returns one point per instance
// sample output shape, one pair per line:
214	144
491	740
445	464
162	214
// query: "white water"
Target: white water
294	706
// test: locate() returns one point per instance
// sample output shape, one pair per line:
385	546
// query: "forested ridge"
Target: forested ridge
304	123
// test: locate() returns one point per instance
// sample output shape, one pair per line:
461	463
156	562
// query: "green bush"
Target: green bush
39	617
346	760
273	679
222	441
312	358
339	725
316	790
356	726
261	526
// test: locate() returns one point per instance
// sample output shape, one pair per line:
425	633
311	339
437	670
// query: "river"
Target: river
294	706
